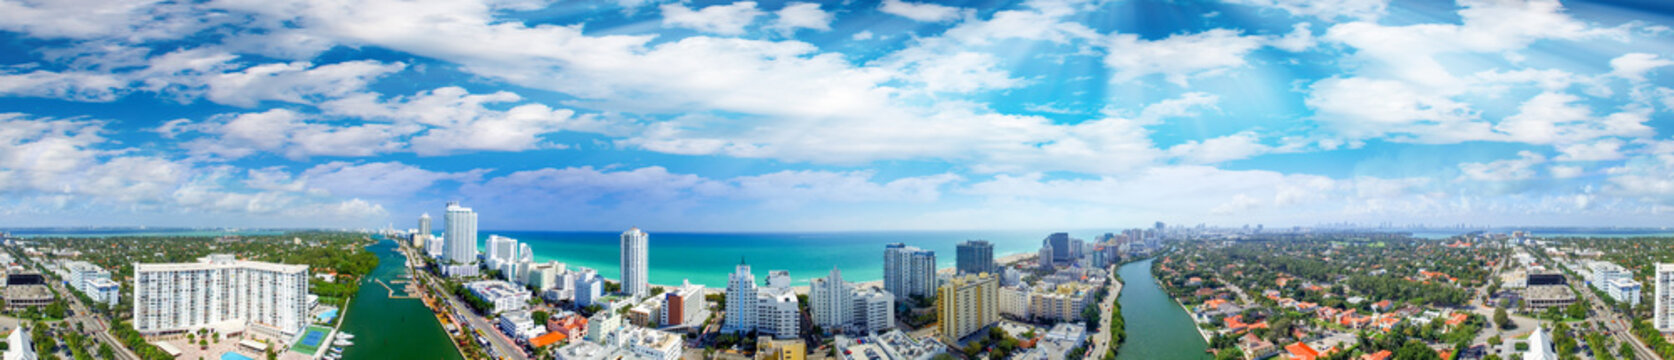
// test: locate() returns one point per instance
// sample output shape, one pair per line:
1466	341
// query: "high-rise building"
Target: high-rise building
588	286
841	306
967	304
1045	257
909	271
461	235
1662	306
1060	243
830	301
91	281
771	310
975	257
424	225
501	251
741	300
683	306
634	267
182	297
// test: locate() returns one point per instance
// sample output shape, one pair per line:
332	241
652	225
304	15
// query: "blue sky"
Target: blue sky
862	115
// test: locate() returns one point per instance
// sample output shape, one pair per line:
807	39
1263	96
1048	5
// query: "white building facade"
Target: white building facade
461	234
840	306
909	271
1663	303
181	297
635	269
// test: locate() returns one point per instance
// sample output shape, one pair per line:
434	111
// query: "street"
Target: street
1102	339
501	345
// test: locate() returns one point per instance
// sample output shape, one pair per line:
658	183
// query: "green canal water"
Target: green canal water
1157	327
386	328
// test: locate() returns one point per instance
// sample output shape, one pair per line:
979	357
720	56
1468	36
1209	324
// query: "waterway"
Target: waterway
1157	327
386	328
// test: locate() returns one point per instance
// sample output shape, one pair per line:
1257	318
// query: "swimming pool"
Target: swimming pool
234	356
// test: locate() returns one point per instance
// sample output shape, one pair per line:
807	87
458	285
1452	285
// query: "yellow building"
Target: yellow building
769	349
966	304
1063	303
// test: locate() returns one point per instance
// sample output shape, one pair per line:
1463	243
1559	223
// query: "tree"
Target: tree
1501	319
540	316
1415	349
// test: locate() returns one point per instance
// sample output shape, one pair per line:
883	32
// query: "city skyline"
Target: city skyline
868	115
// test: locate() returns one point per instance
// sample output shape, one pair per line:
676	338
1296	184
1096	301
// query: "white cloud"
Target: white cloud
1565	171
53	169
863	35
1178	57
456	120
1634	66
1325	9
132	21
296	82
923	12
1557	118
233	136
379	179
1521	168
1602	150
801	15
718	19
1242	145
73	85
1360	108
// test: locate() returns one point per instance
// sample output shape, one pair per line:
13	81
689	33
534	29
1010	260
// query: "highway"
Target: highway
1607	318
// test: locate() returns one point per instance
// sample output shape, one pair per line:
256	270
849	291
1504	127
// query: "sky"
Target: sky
816	116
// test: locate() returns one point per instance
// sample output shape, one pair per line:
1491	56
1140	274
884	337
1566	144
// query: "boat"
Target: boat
345	335
343	342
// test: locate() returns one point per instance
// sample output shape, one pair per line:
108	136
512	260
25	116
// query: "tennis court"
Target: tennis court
311	340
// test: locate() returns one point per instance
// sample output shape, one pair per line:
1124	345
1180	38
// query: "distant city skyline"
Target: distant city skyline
865	115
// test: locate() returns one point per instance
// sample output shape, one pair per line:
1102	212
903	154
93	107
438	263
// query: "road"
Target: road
1101	340
501	345
91	323
1613	322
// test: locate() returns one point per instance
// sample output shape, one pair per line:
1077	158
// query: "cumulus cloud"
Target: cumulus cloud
1237	146
801	15
1178	57
1521	168
1634	66
718	19
1607	149
1325	9
924	12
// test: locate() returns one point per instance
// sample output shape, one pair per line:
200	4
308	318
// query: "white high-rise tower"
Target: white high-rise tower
1662	306
461	235
634	269
424	225
741	300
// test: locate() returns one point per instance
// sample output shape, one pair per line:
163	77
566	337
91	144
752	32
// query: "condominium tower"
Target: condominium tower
909	271
841	306
181	297
634	267
975	257
461	236
1663	304
966	304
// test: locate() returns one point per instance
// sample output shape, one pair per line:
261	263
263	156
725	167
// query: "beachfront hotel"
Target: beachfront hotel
635	281
966	304
841	306
219	290
460	237
768	310
909	271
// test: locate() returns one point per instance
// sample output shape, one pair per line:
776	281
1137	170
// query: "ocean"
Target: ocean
707	258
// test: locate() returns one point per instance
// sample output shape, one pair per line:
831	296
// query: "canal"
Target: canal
386	328
1157	327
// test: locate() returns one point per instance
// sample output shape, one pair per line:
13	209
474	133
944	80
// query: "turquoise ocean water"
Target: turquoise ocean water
707	258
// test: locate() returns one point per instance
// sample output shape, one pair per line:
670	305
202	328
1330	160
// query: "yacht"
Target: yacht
345	335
